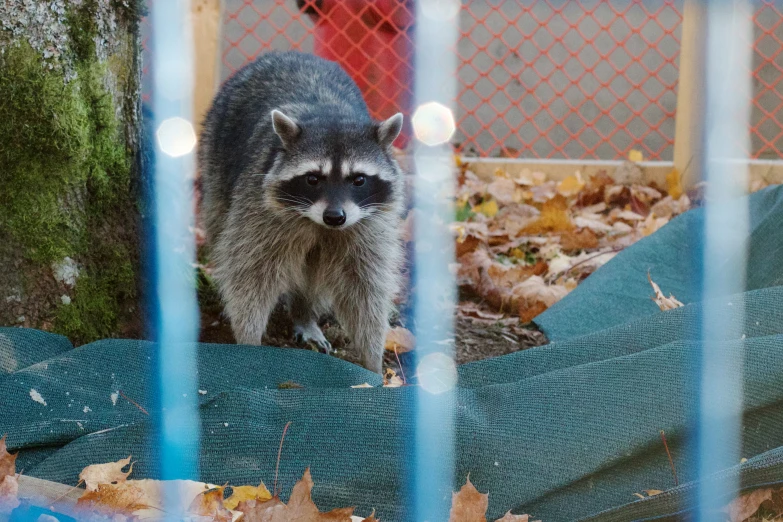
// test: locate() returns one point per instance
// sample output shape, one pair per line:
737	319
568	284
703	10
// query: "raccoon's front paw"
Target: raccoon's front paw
311	335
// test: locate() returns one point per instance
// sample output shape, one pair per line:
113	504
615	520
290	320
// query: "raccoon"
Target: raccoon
302	201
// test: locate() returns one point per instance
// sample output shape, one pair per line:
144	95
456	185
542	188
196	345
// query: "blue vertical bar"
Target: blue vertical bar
727	128
435	92
177	317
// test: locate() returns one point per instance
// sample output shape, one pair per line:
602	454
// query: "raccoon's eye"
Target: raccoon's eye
312	179
359	180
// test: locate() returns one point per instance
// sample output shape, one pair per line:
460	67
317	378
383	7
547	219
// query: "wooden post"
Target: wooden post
688	133
206	22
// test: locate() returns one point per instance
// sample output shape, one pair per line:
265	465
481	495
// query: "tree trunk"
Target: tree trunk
69	176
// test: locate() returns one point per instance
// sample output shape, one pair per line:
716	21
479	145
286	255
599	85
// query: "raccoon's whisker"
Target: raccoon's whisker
300	198
368	197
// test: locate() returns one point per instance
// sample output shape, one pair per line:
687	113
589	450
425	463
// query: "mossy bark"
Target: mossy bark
69	137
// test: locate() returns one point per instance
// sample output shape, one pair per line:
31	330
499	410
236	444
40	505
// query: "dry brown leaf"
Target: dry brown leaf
583	239
242	493
143	499
210	504
400	339
300	507
9	494
108	473
110	499
529	310
508	276
553	218
468	505
663	302
747	505
628	173
7	461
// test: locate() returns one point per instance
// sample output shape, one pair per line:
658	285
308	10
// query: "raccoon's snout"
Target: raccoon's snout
334	217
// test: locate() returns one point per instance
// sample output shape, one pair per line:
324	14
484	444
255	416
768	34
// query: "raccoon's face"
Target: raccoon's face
336	175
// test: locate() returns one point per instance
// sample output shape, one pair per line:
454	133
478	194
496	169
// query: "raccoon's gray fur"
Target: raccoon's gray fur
302	199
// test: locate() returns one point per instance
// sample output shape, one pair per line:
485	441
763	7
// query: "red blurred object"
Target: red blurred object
371	41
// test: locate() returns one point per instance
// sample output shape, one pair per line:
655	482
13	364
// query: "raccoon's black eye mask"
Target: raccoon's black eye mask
362	189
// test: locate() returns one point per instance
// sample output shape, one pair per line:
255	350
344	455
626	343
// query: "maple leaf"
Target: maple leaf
209	504
663	302
108	473
242	493
9	494
7	461
468	505
400	340
300	507
504	190
553	218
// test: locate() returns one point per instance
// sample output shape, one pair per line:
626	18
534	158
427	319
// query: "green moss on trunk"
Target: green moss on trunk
66	178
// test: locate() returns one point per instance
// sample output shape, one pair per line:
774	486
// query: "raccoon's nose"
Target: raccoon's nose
334	217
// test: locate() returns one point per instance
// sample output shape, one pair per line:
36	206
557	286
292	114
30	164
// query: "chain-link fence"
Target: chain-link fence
537	78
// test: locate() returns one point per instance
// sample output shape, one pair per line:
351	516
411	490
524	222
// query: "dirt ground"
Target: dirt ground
475	338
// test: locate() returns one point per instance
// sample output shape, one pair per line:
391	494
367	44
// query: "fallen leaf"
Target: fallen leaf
7	461
663	302
391	379
143	499
583	239
489	208
400	340
674	184
745	506
468	505
9	494
571	185
300	507
553	218
530	310
652	224
628	173
242	493
363	385
210	504
653	492
528	178
504	190
635	155
110	499
108	473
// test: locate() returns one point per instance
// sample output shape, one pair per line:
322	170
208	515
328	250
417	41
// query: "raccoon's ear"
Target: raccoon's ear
285	128
389	130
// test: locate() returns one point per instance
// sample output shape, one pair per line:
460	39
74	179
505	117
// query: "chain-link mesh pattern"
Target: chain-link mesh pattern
537	78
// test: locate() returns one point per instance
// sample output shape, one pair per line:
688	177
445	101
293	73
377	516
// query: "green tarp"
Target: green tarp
563	432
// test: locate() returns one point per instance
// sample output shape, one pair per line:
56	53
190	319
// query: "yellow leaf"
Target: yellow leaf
457	161
635	155
651	492
571	185
517	253
674	184
242	493
488	208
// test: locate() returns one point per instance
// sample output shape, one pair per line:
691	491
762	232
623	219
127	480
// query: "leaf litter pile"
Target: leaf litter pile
522	241
109	495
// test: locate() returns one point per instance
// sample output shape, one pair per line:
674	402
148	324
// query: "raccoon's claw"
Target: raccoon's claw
313	336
